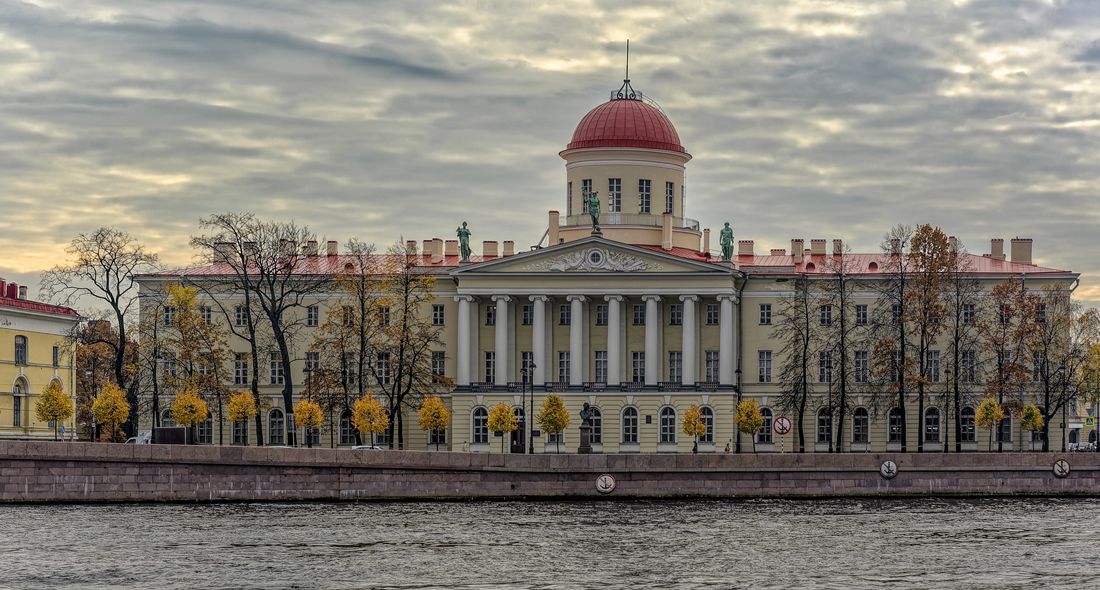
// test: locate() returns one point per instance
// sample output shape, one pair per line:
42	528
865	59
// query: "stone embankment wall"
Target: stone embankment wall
50	472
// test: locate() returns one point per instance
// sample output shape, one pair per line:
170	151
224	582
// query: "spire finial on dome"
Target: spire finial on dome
626	91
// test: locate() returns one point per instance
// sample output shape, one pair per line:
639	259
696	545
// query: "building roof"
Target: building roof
25	304
626	122
319	265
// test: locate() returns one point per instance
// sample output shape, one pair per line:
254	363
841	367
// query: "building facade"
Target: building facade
642	318
35	349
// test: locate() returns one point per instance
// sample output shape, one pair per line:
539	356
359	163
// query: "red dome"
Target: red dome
626	123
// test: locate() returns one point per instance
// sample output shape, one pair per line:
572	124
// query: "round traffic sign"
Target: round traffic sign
781	425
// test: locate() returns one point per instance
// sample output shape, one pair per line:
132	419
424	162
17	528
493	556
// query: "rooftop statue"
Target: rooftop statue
464	234
593	201
726	239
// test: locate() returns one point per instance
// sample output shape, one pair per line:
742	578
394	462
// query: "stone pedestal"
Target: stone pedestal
585	447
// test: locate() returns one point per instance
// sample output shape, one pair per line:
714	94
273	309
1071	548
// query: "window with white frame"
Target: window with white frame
313	316
166	420
240	316
56	356
438	314
586	189
275	369
347	430
670	195
639	314
526	360
708	421
595	434
825	315
637	366
764	361
167	365
568	199
668	425
601	366
240	368
240	432
313	435
204	431
347	315
491	315
824	426
764	435
276	428
1041	313
861	426
526	314
1004	429
675	366
313	361
711	366
439	365
490	366
932	425
564	313
384	316
712	314
765	314
645	198
861	371
21	350
169	315
480	424
895	422
966	425
614	195
861	314
206	314
932	365
563	366
630	425
895	312
1038	361
601	314
969	366
969	313
676	314
437	437
383	372
825	366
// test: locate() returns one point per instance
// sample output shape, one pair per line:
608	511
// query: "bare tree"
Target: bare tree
841	334
1058	353
1004	332
924	310
890	322
961	296
795	330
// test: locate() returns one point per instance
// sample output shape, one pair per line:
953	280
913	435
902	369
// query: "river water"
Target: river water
844	543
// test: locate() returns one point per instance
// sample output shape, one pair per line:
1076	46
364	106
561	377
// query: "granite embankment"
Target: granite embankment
51	472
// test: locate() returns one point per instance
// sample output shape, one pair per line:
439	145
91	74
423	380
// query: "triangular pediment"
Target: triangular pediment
592	255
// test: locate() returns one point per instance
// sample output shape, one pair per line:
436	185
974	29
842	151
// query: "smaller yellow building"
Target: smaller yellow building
34	350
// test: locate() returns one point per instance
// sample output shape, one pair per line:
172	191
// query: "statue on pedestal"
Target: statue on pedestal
593	201
464	234
725	238
587	413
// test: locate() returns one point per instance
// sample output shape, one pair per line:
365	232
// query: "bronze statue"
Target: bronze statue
586	414
726	239
593	201
464	234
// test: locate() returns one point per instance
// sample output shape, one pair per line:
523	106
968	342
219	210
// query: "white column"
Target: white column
576	339
538	338
652	338
614	339
503	352
688	350
462	373
726	343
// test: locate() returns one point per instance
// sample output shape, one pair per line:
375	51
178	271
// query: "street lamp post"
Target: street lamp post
946	408
737	390
528	372
1062	382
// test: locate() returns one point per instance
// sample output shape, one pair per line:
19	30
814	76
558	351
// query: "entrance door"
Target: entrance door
519	435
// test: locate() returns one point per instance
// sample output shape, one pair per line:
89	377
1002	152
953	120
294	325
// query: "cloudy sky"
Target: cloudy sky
383	119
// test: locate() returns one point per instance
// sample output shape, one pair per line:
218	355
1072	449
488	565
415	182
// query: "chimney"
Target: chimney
489	248
2	287
1021	251
778	252
666	231
450	248
953	243
706	241
249	250
426	252
552	229
332	247
22	291
838	247
509	247
437	250
13	291
796	250
311	248
817	247
745	248
410	247
997	249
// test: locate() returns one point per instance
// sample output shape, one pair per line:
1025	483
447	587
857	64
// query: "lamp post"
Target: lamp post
1062	380
737	390
528	372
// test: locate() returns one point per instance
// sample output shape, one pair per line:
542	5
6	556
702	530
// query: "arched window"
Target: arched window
824	426
481	426
347	431
166	420
966	425
894	425
765	434
21	350
668	425
1074	436
240	432
630	425
313	436
1004	429
861	426
708	419
18	391
276	428
932	425
596	434
204	433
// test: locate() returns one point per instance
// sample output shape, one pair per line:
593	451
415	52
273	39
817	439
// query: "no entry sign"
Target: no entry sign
781	425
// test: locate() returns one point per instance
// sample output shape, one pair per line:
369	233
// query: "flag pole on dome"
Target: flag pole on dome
626	90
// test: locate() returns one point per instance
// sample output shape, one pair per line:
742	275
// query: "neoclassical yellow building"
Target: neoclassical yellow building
643	318
34	350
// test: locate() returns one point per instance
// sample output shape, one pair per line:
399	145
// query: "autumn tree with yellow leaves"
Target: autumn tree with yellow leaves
54	405
111	410
988	415
553	417
694	425
369	417
749	419
189	409
241	407
308	415
434	416
502	419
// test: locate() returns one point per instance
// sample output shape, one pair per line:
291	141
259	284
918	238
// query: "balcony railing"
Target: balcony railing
650	219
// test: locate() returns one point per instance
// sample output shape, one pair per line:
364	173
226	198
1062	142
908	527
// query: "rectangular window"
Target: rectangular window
932	366
896	367
313	361
969	362
639	314
895	313
586	189
437	314
861	422
384	316
712	314
1037	362
644	195
568	199
637	366
57	356
169	315
893	426
526	359
764	359
825	366
861	314
825	315
969	313
526	313
601	314
347	315
711	364
383	372
439	364
614	195
490	366
675	366
630	426
17	410
1041	312
349	369
966	426
491	315
168	365
564	313
563	366
862	369
21	350
275	369
240	368
313	316
601	366
676	314
765	314
240	316
1003	313
206	314
240	432
670	195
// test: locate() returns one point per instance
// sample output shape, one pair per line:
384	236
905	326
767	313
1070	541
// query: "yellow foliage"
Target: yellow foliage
368	416
111	409
307	414
694	425
188	408
241	406
502	419
553	417
749	418
989	412
434	414
53	404
1031	419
